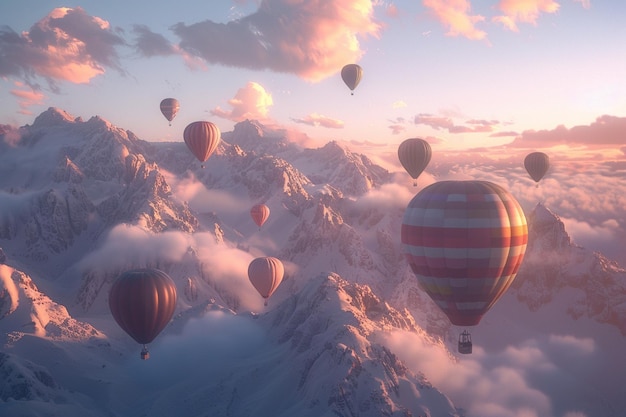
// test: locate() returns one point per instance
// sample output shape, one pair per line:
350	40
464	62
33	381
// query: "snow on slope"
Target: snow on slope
105	201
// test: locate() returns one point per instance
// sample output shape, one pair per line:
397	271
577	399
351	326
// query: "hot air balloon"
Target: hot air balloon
537	164
351	75
266	274
414	155
169	108
260	213
464	241
142	302
202	139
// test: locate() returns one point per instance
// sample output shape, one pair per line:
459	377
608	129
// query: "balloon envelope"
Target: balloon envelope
169	108
202	139
266	274
260	213
142	302
464	241
537	164
351	75
414	155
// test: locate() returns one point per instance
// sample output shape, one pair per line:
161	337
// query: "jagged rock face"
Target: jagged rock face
351	173
329	363
553	262
24	380
50	222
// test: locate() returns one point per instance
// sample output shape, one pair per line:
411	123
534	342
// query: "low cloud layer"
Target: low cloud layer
542	376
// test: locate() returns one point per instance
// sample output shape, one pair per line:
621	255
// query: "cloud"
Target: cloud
27	97
67	45
399	104
207	347
315	119
455	16
446	123
151	44
524	11
251	102
604	131
537	377
311	39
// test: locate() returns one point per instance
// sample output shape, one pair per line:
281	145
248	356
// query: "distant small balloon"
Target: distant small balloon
202	139
266	274
260	213
351	75
414	155
537	165
169	108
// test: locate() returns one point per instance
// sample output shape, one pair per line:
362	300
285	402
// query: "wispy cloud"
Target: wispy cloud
523	11
447	123
456	16
315	119
605	131
27	97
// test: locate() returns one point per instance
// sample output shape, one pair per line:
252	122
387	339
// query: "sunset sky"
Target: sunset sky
460	73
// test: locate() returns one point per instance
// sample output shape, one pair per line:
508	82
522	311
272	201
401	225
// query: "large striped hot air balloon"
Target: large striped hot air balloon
266	274
260	213
464	241
537	164
351	74
414	155
169	108
142	302
202	139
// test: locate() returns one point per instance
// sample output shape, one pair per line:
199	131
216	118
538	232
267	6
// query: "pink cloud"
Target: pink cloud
605	131
524	11
27	98
312	39
455	16
251	102
67	45
315	119
446	123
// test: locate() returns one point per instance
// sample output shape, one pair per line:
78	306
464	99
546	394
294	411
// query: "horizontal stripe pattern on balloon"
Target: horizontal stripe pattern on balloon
464	241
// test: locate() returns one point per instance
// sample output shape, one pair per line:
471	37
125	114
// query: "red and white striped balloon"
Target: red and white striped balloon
202	139
464	241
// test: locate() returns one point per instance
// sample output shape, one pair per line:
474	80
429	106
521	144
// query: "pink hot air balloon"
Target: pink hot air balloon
464	241
142	302
202	139
414	155
266	274
260	213
169	108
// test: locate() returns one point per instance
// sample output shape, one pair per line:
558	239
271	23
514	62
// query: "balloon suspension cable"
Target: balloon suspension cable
144	353
415	183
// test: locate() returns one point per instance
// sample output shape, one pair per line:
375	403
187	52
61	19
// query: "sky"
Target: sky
461	73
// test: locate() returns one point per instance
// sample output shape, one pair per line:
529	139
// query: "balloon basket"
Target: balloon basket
145	354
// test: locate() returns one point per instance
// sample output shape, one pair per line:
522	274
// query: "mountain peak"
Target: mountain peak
54	117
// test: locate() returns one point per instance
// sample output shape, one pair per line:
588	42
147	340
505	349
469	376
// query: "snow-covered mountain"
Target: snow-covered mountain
82	201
